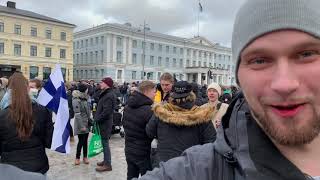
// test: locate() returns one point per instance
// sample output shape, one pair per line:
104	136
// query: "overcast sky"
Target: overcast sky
174	17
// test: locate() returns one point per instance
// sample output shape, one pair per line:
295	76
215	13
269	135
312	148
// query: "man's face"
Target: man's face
212	95
166	86
151	93
279	74
103	85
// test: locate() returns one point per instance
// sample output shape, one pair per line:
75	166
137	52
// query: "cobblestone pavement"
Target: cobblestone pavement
62	166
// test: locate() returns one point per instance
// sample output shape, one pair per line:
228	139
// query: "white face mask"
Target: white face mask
33	92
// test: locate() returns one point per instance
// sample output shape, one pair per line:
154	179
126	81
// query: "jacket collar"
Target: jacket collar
241	141
176	115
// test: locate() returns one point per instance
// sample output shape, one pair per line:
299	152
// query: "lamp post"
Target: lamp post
144	48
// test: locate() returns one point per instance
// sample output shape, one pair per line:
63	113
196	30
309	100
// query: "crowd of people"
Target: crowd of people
174	115
180	130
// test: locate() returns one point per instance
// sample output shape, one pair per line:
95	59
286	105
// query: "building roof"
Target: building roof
20	12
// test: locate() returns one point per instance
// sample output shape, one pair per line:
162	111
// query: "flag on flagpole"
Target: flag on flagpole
53	96
200	7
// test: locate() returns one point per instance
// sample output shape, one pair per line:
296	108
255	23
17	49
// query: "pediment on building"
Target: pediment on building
202	41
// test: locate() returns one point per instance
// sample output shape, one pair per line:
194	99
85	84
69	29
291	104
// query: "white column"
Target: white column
114	49
124	50
109	47
129	51
199	78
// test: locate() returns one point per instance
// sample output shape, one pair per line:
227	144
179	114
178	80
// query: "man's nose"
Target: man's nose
284	80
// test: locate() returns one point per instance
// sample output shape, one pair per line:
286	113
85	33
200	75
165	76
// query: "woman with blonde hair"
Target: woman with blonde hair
25	129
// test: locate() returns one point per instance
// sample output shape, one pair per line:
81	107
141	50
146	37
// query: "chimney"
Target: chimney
11	4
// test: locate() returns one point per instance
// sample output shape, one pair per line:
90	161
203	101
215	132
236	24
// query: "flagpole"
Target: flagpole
199	19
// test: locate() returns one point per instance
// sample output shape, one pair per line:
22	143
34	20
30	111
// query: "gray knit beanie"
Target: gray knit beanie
259	17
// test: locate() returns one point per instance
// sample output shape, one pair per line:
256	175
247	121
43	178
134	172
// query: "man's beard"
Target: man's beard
292	135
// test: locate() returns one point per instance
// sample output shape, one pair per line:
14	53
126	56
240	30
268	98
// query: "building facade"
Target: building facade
34	44
129	54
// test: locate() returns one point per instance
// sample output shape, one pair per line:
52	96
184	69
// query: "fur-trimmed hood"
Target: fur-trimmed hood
172	114
80	95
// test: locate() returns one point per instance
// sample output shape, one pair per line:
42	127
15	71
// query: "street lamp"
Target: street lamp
145	26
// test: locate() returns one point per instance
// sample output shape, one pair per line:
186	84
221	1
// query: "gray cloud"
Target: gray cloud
175	17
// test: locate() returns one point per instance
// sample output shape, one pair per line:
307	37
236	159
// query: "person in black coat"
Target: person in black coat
135	118
25	129
180	124
104	118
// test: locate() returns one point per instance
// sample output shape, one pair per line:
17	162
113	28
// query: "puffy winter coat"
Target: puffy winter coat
136	115
81	112
178	129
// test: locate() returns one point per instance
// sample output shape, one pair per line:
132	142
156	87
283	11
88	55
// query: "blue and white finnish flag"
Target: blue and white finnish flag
53	96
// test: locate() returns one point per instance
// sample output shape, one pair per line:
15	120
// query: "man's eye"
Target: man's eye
305	54
257	61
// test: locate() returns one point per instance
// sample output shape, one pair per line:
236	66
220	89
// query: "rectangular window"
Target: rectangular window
159	61
102	55
1	48
200	54
97	40
96	56
152	46
134	58
134	75
78	45
151	60
205	64
181	63
91	57
214	65
181	50
63	54
188	63
119	74
48	35
34	72
194	63
194	53
77	59
63	36
17	49
188	52
102	73
48	52
199	63
167	49
159	75
160	48
17	29
91	41
33	50
87	42
119	56
46	72
34	32
134	43
174	62
143	44
102	39
119	41
1	27
174	50
167	62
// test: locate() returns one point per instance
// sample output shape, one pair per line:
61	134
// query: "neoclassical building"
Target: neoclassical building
33	43
124	52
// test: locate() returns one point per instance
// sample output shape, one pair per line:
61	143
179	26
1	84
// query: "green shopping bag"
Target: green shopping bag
95	145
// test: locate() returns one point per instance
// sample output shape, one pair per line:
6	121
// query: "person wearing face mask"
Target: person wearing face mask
214	92
35	87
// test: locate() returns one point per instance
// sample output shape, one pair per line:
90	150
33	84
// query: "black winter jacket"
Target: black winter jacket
104	113
29	155
135	118
178	129
242	151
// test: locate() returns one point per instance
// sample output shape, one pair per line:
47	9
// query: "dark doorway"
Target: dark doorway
8	70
